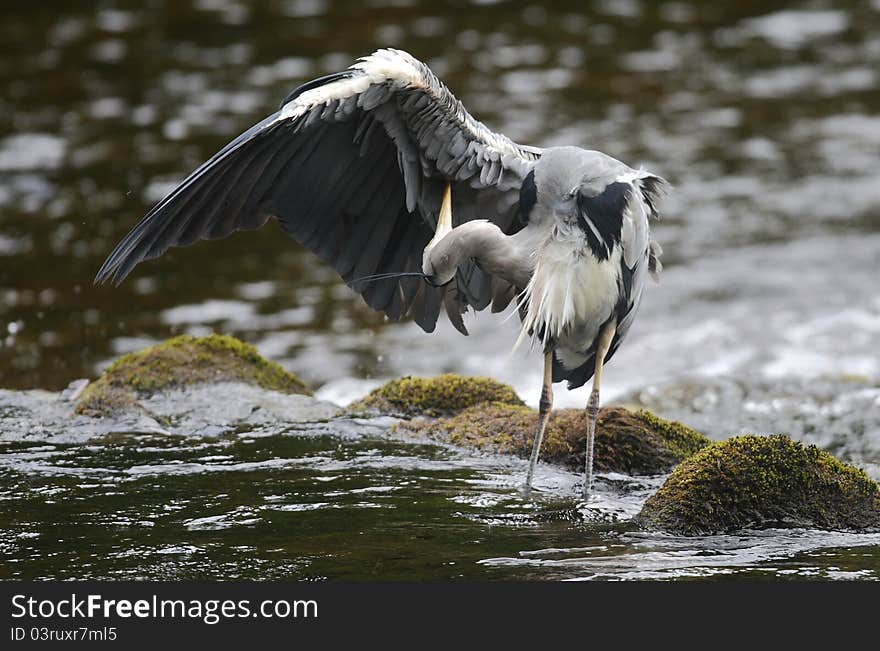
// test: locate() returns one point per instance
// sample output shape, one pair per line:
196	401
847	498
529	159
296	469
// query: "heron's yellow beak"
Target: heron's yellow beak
444	219
444	228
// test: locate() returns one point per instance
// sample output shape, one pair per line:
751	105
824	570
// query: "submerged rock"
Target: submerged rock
636	443
183	362
763	481
433	396
203	410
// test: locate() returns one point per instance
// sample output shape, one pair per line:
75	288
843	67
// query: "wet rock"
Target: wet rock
74	389
763	481
636	443
209	386
433	396
222	407
182	362
44	416
211	409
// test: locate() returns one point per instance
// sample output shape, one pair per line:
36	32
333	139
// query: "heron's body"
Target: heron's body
384	174
570	295
573	272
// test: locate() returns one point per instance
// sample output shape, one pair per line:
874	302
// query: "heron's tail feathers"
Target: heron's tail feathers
653	188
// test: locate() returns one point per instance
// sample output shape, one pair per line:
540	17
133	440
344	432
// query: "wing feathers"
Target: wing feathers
352	165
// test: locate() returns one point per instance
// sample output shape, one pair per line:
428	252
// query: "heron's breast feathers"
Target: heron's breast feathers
570	294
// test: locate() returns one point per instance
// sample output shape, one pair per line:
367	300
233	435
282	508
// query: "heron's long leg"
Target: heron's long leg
602	345
544	406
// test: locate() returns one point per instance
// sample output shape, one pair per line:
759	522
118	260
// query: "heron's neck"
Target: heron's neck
495	252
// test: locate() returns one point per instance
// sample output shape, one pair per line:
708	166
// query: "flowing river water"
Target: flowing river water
765	117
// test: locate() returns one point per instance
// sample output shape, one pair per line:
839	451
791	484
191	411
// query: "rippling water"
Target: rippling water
342	501
765	118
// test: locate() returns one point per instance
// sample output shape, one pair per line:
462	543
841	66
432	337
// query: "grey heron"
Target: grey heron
381	172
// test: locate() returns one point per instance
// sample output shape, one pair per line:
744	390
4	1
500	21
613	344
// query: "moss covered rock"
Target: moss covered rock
433	396
636	443
763	481
183	361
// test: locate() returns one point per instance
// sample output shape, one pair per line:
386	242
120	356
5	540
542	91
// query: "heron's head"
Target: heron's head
564	173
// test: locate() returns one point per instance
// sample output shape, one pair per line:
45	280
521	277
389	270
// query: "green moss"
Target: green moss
635	443
433	396
102	400
183	361
763	481
855	378
681	439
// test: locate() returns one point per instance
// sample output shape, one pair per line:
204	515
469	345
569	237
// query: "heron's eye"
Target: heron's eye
571	194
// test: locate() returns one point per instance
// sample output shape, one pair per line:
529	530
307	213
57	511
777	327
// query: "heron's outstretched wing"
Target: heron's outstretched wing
353	166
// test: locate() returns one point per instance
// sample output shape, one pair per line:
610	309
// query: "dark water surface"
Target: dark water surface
765	116
340	501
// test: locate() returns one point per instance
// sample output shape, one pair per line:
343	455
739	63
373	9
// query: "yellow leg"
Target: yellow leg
602	346
544	407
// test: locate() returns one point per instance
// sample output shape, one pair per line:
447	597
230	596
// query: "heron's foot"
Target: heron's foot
588	493
587	500
527	490
592	415
528	486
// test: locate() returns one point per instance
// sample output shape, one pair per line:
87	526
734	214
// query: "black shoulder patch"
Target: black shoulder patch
528	196
315	83
603	215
